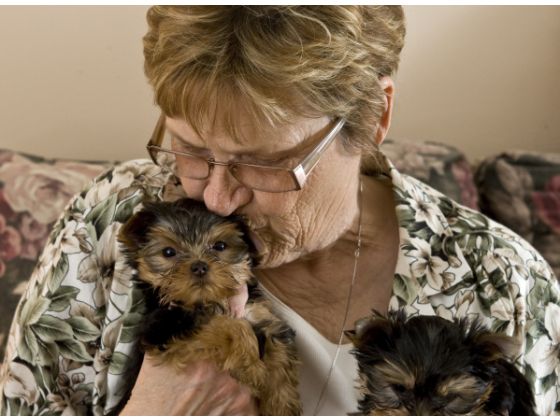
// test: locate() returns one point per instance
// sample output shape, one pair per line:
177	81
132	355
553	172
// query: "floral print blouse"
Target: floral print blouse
73	342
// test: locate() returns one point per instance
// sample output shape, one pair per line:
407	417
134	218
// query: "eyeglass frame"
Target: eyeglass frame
300	173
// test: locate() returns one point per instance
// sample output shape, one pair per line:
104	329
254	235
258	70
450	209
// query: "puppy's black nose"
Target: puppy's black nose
199	268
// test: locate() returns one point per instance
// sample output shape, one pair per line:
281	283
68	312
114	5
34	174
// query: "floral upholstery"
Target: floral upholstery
441	166
33	193
522	191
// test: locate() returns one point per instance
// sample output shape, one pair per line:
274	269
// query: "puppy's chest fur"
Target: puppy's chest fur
165	325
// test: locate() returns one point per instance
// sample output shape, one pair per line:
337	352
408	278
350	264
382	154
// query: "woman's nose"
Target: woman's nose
223	194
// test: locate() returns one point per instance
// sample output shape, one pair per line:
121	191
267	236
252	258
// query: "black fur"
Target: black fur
163	323
435	350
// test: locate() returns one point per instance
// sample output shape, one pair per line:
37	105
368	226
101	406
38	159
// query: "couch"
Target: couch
518	189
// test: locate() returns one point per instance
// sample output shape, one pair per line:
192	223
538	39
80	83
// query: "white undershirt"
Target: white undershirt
316	354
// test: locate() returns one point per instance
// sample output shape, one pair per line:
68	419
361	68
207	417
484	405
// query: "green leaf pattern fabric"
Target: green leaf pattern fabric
73	345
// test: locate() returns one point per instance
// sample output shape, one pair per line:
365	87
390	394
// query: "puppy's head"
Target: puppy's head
430	366
190	255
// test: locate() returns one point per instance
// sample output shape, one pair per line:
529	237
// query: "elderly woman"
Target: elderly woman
274	113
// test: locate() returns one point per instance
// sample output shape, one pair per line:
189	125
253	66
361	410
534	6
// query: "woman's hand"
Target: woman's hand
198	390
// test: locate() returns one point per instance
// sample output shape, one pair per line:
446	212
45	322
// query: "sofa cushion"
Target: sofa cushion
522	191
441	166
33	193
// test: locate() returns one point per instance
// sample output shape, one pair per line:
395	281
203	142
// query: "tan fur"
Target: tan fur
232	346
174	278
175	286
230	343
282	364
464	384
401	411
468	387
396	374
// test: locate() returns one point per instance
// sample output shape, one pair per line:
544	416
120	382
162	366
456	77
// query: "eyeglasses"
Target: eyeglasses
257	177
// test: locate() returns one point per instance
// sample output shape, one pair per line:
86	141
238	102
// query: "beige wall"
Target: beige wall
485	79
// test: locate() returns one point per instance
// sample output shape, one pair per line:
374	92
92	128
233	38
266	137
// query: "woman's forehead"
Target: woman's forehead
248	137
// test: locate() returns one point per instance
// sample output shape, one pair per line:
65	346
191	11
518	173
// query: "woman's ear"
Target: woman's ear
241	223
388	87
133	233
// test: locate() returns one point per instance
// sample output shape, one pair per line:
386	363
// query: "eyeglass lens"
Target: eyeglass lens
258	178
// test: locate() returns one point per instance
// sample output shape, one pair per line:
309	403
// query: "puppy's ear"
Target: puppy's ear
498	346
370	331
133	234
490	346
241	224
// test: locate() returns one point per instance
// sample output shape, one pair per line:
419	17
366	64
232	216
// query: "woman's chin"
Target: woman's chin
275	256
273	261
272	254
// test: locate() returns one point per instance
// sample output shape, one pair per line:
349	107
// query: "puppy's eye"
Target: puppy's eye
168	252
219	246
398	388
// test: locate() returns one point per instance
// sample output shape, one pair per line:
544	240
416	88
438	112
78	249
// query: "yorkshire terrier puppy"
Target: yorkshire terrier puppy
189	262
430	366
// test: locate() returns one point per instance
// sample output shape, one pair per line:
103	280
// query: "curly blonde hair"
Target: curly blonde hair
275	62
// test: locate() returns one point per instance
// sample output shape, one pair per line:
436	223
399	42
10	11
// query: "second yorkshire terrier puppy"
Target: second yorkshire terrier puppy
430	366
190	261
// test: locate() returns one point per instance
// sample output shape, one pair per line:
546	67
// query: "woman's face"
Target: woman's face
285	225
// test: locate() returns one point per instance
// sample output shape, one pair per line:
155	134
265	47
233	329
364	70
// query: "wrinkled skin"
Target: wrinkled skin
286	225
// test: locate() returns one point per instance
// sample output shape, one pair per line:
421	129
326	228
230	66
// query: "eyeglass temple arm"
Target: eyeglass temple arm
157	136
301	172
158	131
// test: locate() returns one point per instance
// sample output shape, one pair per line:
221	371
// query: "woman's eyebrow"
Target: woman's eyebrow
294	151
258	152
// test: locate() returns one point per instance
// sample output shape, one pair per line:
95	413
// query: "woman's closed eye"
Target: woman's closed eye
265	160
181	146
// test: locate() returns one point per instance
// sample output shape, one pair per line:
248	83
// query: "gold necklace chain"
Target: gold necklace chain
347	310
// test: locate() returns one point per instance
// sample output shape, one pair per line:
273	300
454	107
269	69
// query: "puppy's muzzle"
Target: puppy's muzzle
199	268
